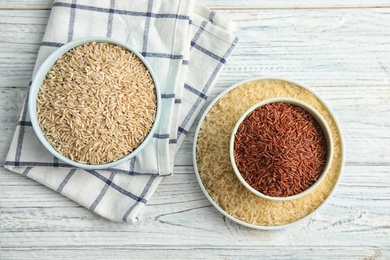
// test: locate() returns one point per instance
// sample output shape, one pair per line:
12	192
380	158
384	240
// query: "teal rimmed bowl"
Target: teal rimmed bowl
39	79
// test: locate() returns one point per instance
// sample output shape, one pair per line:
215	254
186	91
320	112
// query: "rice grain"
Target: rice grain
97	103
216	172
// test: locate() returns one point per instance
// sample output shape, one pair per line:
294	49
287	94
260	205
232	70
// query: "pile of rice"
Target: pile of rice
215	170
97	103
280	149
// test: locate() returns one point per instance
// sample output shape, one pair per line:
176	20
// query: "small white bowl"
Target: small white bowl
325	129
37	83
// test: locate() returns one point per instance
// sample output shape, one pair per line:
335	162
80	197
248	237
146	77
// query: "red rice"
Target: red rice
280	149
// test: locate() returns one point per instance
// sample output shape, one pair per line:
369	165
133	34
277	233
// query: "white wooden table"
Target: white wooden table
339	48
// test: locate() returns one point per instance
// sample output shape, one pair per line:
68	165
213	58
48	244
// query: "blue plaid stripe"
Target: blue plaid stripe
165	136
56	162
199	32
27	170
132	166
202	94
52	44
172	141
116	187
145	54
31	164
161	136
110	18
162	55
24	123
182	130
142	195
208	53
211	16
65	180
147	28
72	20
168	96
195	91
64	165
200	48
21	132
103	191
122	12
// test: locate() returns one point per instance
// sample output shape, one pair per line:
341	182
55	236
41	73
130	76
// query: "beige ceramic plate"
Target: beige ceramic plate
215	173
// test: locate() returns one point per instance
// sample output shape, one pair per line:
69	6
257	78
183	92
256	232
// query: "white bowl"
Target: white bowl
325	129
37	83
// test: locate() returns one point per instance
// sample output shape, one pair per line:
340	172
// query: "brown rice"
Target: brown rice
215	170
97	103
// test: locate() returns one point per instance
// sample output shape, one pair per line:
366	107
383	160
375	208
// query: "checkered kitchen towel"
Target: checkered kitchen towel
185	43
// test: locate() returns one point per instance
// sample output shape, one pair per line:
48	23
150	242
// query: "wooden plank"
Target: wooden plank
341	47
22	33
326	47
223	4
294	4
10	107
201	252
26	4
34	216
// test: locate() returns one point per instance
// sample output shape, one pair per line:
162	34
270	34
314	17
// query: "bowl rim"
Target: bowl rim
324	127
39	77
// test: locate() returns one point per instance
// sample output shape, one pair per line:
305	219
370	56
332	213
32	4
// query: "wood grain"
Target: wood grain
340	49
317	50
179	208
280	252
223	4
